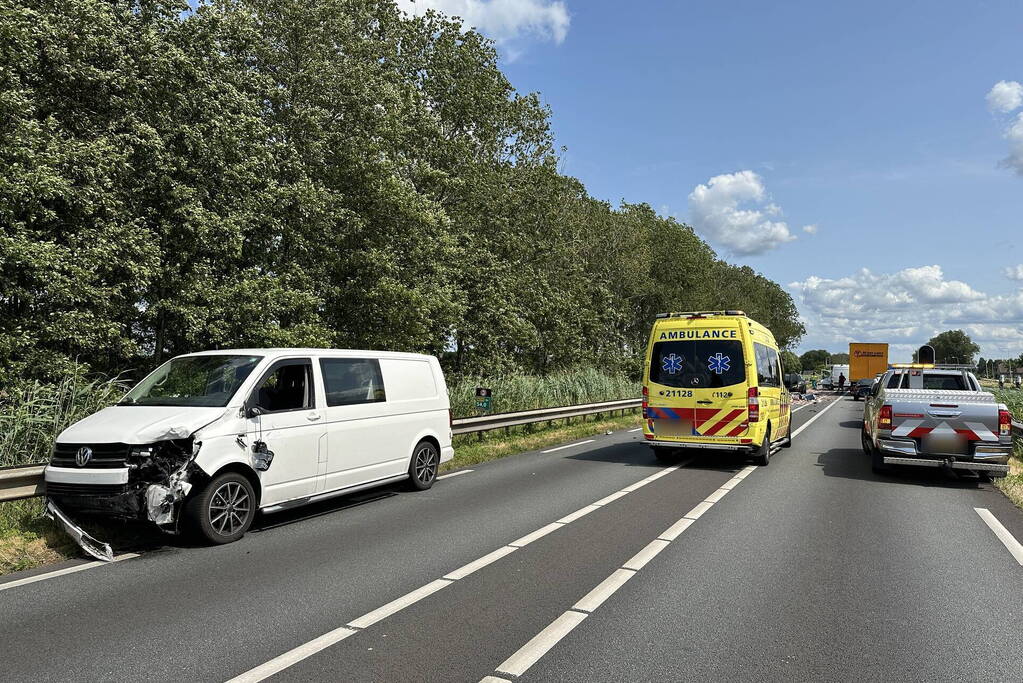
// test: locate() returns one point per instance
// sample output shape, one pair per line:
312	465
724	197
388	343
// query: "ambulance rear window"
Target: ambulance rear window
699	364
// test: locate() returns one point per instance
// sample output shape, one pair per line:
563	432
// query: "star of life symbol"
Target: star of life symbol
718	363
672	363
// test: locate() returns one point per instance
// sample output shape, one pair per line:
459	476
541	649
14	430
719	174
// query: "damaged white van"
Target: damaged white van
207	439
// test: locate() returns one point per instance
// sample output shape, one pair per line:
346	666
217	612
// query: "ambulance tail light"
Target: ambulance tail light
884	418
753	404
646	394
1004	423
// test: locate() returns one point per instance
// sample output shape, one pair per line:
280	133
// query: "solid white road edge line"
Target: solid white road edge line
1003	534
814	418
301	652
454	474
571	445
541	644
61	572
637	429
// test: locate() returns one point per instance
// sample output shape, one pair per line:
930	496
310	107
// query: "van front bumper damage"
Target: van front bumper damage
152	487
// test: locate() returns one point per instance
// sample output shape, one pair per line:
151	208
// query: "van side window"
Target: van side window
767	366
288	386
350	381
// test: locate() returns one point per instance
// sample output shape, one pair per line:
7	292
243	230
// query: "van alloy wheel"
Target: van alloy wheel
229	508
423	468
222	511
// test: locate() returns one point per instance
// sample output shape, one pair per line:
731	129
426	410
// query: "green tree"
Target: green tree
840	358
811	360
790	362
953	346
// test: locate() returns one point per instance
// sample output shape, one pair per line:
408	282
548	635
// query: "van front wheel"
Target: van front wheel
224	510
422	471
762	456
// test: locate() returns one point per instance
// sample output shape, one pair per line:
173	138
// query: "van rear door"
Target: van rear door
697	382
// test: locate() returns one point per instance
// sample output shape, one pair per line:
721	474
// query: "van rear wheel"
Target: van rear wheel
422	471
762	456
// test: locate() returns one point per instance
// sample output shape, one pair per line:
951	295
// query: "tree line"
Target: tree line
311	173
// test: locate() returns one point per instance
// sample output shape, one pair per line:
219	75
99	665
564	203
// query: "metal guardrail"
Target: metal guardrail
27	482
21	482
483	423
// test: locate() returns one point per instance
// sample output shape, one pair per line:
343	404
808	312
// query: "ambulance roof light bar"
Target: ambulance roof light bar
929	366
699	314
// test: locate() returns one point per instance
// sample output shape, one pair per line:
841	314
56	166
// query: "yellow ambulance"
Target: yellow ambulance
713	380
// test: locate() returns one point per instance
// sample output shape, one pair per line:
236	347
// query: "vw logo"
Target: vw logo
83	456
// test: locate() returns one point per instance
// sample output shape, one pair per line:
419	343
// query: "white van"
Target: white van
209	438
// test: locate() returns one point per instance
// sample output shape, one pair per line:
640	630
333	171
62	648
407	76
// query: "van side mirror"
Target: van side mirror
254	411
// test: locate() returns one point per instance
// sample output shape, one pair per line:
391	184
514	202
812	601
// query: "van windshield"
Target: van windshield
198	381
698	364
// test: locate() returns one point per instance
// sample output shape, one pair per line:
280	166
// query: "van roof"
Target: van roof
286	351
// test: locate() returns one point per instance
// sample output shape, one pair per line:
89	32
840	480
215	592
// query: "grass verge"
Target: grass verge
471	450
27	539
1012	484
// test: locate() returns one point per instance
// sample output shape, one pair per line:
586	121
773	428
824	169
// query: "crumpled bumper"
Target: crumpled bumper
96	548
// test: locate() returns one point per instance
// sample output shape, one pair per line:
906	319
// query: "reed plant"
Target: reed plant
33	415
529	392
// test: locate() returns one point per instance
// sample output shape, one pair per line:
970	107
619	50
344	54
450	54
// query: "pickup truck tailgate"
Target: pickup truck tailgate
944	422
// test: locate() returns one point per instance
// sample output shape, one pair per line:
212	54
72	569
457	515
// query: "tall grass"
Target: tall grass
32	417
528	392
1013	398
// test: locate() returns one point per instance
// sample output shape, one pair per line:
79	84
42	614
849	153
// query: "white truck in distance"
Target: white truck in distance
936	416
830	377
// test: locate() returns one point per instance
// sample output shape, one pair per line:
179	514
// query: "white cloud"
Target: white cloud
1014	272
502	20
715	210
1014	135
1005	96
810	229
905	309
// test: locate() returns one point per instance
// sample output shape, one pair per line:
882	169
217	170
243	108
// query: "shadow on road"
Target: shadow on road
638	454
852	463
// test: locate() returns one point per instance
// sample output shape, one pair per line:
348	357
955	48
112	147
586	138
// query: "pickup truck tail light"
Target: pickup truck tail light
753	404
646	394
1004	423
884	418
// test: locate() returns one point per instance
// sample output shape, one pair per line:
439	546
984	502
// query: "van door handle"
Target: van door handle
312	417
705	403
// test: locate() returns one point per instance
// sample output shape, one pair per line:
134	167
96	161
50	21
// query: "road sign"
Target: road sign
483	398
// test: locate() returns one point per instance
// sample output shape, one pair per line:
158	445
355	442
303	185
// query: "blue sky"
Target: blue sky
870	122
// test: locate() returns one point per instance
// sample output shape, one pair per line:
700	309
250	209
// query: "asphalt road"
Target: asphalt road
811	568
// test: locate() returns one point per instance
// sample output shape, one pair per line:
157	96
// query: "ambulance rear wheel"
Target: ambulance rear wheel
762	456
664	454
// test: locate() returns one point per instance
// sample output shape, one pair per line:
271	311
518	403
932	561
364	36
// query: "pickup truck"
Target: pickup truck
930	416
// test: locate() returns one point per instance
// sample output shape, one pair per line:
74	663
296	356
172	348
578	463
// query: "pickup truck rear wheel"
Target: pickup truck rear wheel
762	456
876	457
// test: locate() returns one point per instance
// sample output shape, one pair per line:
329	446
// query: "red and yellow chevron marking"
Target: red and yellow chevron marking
727	422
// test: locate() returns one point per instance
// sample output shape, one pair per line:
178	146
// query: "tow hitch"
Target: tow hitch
98	549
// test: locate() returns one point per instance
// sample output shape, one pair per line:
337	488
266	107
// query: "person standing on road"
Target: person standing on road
841	381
